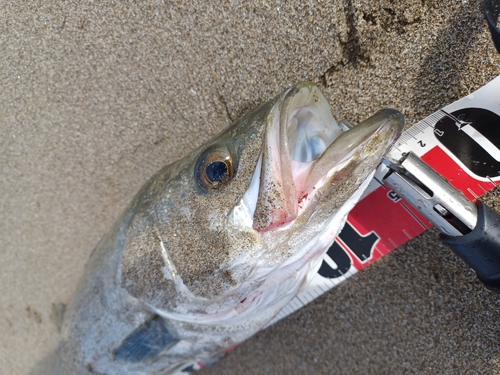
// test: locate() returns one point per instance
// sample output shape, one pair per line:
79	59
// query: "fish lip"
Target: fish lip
385	125
291	193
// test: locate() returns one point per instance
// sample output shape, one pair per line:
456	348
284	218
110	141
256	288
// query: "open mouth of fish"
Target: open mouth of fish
305	151
310	173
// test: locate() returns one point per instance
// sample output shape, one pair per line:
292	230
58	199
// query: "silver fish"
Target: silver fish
216	244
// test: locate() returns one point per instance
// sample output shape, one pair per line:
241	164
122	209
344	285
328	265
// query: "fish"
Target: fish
214	245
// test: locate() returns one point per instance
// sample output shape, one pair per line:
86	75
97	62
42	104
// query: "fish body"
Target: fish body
216	244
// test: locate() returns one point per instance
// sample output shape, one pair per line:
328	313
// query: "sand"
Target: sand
97	97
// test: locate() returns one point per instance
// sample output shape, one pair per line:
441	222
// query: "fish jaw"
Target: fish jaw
275	206
351	158
346	167
305	149
299	127
326	181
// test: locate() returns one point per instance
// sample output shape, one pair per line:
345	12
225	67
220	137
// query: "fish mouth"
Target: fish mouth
305	150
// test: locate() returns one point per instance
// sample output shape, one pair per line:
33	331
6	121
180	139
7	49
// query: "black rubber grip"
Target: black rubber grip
480	248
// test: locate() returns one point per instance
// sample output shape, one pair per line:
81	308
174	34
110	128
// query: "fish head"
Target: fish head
241	223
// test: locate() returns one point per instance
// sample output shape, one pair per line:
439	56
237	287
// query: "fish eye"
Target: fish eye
214	169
